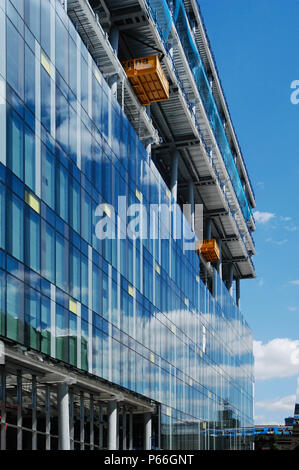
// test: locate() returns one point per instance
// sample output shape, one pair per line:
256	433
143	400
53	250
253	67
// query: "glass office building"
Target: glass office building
122	342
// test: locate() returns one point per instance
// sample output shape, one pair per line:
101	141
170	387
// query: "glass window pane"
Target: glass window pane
45	325
75	205
61	262
15	227
32	16
15	309
2	216
48	177
29	79
45	99
15	61
15	143
62	192
48	252
45	26
29	159
32	239
32	318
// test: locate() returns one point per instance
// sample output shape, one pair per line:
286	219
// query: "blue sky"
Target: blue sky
255	43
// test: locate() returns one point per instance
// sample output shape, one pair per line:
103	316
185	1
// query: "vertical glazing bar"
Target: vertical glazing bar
2	88
134	284
79	102
82	433
118	270
90	85
34	413
48	418
79	335
109	119
3	409
37	120
91	423
110	322
89	309
53	72
53	321
19	411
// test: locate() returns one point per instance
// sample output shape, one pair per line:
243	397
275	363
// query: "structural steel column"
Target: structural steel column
191	202
174	175
148	431
112	425
238	292
63	416
208	230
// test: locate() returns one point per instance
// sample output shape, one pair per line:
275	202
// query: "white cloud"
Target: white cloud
276	359
285	404
261	282
277	242
292	308
263	217
285	219
295	283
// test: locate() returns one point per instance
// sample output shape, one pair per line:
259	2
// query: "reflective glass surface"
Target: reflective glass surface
133	312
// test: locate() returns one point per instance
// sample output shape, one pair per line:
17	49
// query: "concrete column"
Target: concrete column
219	263
63	416
191	202
238	293
147	431
131	430
230	278
112	425
124	429
174	175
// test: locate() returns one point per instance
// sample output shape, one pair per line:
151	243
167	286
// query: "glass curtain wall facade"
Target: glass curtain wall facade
133	312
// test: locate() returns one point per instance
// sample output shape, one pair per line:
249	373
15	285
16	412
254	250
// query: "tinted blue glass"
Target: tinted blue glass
61	262
46	12
29	79
2	215
32	239
45	99
62	192
15	226
48	177
15	61
29	158
62	120
15	142
62	53
32	16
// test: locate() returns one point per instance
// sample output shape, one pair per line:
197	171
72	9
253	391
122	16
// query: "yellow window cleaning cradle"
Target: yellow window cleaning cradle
148	79
209	249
